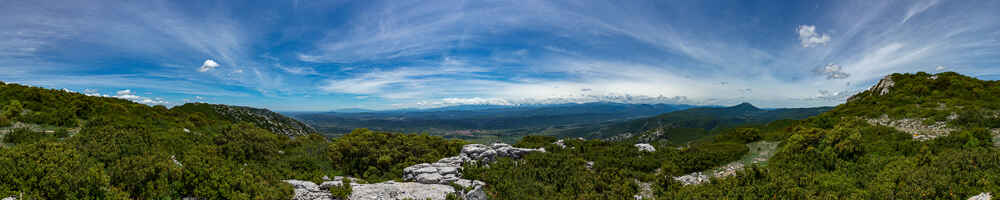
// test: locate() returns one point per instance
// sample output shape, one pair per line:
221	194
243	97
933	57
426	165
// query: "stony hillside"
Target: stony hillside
928	106
911	136
263	118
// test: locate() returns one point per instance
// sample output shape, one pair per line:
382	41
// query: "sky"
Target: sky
326	55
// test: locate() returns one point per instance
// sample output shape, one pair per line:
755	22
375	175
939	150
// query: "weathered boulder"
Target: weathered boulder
432	173
645	147
472	189
486	153
306	190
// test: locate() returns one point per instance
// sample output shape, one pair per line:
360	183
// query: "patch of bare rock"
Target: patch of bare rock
982	196
645	147
423	181
915	127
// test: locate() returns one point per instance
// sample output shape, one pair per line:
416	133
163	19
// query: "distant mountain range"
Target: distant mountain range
471	120
589	120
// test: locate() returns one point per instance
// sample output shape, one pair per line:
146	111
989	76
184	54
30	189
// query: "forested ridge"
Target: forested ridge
62	145
71	146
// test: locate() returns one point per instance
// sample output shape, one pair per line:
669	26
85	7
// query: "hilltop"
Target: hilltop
264	118
911	136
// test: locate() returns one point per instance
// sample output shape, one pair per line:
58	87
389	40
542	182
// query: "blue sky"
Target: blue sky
323	55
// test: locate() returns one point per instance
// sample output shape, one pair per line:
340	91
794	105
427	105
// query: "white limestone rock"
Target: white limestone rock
645	147
560	143
693	178
982	196
396	190
306	190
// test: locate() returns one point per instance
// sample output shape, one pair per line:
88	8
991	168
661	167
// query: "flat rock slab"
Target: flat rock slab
392	190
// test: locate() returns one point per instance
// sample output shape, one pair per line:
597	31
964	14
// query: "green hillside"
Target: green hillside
682	126
62	145
845	154
912	136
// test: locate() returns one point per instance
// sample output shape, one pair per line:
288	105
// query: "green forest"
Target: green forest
63	145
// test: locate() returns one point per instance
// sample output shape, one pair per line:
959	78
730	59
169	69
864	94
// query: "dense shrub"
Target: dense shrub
381	156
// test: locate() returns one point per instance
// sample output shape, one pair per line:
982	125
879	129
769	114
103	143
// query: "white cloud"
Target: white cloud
208	65
127	94
832	71
475	101
827	95
940	68
809	37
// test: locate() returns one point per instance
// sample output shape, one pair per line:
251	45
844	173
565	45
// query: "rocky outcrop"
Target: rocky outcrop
433	173
692	178
883	87
487	153
915	127
700	177
425	181
982	196
448	170
305	190
645	147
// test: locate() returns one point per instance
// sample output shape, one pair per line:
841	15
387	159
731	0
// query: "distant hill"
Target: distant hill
493	120
924	105
692	123
263	118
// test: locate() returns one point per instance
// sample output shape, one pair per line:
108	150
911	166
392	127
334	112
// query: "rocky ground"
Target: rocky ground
424	181
915	127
